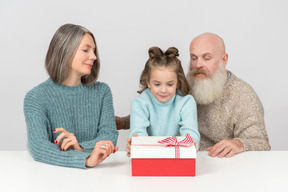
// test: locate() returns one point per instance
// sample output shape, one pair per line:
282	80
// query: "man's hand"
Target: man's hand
120	123
128	146
226	148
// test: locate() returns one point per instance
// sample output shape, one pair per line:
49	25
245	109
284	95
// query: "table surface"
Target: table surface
248	171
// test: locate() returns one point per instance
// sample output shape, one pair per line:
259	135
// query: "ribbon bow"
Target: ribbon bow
172	142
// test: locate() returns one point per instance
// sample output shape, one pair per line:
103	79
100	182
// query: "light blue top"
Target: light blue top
150	117
85	111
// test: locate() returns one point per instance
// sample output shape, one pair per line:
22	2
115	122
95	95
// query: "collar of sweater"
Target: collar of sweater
159	102
67	89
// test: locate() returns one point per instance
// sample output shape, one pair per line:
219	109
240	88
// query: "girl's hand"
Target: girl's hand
195	146
128	145
101	151
193	142
69	140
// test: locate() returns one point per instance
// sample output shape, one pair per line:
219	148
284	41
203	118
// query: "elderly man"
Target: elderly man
230	114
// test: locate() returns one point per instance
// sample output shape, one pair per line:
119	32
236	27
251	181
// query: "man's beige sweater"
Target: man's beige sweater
238	114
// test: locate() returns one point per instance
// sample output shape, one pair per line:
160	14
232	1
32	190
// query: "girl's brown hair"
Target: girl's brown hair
168	59
61	51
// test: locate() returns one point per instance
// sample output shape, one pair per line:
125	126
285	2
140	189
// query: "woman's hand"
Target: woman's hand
100	152
69	140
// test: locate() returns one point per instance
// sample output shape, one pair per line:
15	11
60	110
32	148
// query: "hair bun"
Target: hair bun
155	52
172	52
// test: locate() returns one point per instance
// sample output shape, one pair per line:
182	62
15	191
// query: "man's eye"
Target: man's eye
207	58
193	58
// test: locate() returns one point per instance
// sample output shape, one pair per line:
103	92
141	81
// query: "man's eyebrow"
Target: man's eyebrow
207	53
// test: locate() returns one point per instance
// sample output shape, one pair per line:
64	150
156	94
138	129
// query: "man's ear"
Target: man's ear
225	59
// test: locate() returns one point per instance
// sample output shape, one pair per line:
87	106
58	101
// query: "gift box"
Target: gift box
162	156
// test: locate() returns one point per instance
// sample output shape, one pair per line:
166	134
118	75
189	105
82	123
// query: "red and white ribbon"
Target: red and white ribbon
172	142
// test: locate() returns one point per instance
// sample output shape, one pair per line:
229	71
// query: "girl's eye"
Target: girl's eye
157	85
170	85
86	51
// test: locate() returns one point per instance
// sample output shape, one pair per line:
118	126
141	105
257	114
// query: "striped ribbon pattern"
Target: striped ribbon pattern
172	142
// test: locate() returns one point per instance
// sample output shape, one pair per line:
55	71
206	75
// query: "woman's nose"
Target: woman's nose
93	56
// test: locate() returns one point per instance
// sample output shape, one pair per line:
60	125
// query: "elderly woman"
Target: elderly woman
70	117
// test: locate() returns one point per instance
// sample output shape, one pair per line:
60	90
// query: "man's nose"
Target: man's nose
195	64
198	64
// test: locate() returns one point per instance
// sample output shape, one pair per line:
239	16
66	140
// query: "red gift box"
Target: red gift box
149	157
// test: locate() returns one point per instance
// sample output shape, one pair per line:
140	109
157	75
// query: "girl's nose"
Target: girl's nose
163	89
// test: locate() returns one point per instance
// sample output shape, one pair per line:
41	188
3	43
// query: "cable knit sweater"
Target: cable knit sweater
238	114
86	111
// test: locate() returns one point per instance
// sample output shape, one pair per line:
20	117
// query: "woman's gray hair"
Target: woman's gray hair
61	52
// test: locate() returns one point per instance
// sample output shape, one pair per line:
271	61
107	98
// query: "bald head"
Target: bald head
209	42
208	48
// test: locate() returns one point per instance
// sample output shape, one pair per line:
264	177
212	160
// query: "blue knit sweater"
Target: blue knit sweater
150	117
85	111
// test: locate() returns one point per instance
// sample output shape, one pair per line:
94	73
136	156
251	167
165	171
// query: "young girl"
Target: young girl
164	107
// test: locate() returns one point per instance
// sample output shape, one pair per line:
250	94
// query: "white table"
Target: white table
249	171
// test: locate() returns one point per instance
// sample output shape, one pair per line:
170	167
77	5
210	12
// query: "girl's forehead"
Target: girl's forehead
163	73
163	68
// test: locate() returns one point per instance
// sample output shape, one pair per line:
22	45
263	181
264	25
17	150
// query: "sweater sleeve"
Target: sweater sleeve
39	143
106	127
250	127
188	122
139	118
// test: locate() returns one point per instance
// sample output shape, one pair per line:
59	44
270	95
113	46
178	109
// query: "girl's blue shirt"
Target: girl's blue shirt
150	117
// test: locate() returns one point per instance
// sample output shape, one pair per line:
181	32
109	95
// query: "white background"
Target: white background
255	33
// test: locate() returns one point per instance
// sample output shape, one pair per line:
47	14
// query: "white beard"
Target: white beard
209	89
